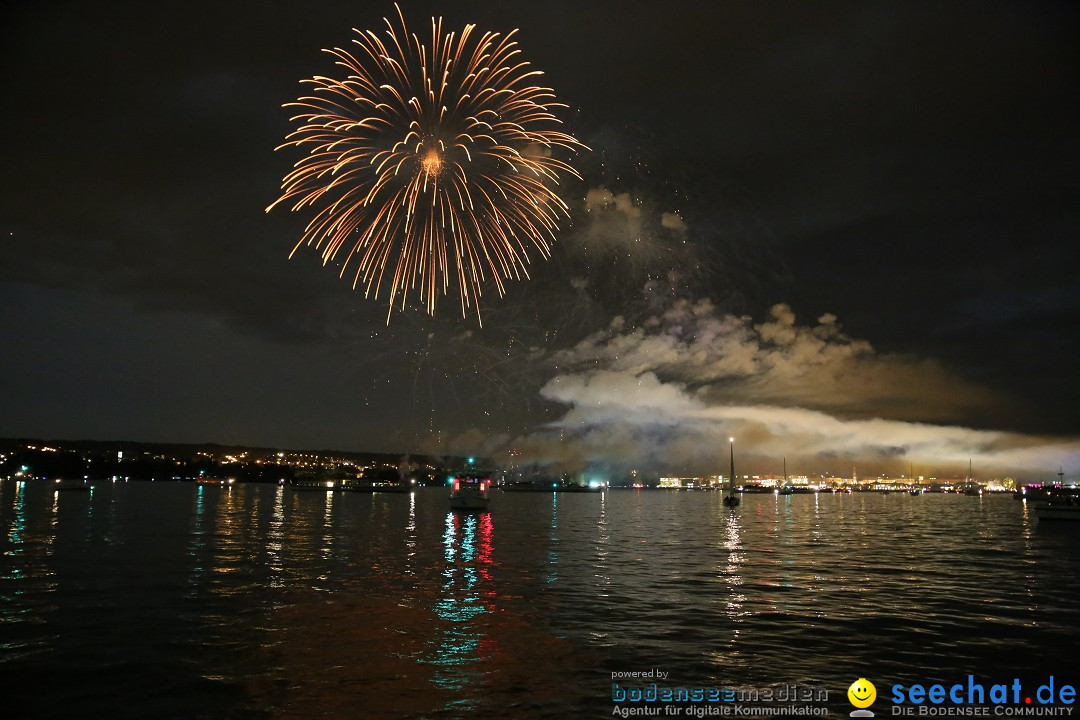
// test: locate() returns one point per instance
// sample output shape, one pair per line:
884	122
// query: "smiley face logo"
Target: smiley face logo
862	693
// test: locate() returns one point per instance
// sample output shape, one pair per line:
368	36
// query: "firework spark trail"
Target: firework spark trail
431	162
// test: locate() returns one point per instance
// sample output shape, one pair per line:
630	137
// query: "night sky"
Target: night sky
793	215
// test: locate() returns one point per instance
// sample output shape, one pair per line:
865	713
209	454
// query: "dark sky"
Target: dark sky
910	168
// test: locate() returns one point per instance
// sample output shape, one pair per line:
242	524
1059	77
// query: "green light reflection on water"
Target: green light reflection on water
460	649
17	531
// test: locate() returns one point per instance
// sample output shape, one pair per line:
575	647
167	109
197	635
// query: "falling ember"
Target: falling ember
430	164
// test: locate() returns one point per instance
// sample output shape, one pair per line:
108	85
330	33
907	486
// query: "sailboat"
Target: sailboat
786	488
911	476
1060	504
731	500
971	487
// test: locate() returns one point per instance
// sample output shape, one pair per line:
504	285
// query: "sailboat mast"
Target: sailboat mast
731	478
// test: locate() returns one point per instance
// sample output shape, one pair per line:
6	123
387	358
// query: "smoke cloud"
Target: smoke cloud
665	395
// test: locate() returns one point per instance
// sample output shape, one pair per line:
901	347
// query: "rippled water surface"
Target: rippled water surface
175	600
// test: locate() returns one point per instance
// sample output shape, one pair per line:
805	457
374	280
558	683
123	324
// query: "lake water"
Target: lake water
253	601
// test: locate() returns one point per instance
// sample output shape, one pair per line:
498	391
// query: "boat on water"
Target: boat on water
76	485
215	481
470	491
787	488
911	479
1060	502
1046	491
327	480
379	479
577	487
312	484
971	487
551	485
1060	509
731	500
1034	491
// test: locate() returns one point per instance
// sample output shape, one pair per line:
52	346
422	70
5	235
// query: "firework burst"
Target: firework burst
430	164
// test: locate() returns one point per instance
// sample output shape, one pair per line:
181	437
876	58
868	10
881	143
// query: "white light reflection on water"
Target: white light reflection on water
410	537
732	573
18	525
603	550
197	542
553	541
275	539
328	528
228	539
15	545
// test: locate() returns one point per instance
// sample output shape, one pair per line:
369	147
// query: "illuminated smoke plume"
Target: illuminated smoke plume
666	394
